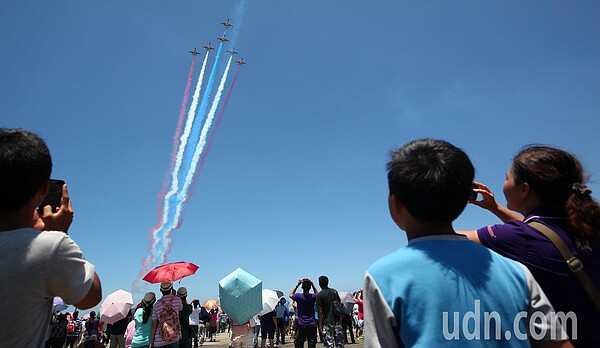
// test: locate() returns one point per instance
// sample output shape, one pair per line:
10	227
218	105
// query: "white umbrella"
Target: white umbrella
116	306
270	298
347	301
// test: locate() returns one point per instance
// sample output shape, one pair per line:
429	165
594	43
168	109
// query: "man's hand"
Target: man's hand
56	221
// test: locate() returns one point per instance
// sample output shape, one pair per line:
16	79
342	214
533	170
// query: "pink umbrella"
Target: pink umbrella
116	306
170	272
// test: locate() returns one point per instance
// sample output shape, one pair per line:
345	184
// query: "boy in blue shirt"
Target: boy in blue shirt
442	289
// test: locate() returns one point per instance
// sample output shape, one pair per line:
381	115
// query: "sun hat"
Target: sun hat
149	297
166	286
182	292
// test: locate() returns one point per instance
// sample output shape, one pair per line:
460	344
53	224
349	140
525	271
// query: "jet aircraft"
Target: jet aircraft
223	39
194	52
226	24
207	48
232	52
240	62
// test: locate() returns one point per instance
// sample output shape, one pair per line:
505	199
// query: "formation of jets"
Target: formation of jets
223	39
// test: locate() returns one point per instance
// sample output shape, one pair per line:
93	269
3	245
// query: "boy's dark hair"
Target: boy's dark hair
323	281
306	285
25	165
431	178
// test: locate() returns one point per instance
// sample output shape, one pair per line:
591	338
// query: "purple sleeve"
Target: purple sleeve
508	239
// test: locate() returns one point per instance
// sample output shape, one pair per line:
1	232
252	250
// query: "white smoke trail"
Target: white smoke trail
156	238
199	149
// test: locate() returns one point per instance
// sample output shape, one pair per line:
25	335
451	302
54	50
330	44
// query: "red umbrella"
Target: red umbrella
170	272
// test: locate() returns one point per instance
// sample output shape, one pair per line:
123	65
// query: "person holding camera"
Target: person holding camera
305	310
38	254
417	295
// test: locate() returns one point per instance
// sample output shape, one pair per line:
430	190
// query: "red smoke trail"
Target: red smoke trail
186	94
145	263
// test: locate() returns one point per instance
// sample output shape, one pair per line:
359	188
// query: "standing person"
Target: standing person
117	332
37	252
241	335
222	322
293	321
214	322
360	323
194	320
268	325
347	326
73	330
547	185
184	319
166	329
305	311
281	312
90	334
329	323
143	322
441	274
58	331
255	325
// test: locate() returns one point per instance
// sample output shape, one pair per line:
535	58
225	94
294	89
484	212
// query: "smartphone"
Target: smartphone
305	279
473	194
54	195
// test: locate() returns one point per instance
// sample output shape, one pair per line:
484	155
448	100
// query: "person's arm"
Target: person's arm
320	318
59	221
488	202
153	332
94	295
314	287
295	288
379	320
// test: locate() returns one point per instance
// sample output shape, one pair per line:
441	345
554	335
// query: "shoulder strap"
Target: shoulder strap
574	263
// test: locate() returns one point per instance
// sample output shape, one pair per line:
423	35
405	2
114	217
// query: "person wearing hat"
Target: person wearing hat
184	319
143	321
165	307
281	312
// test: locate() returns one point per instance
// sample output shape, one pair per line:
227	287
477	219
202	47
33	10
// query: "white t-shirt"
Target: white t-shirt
195	316
36	266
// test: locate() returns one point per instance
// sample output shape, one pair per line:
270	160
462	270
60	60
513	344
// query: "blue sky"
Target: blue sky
294	184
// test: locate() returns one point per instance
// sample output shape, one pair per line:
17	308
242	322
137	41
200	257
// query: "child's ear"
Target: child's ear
393	205
397	210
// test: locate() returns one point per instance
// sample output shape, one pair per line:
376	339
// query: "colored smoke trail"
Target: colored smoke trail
192	161
182	112
204	133
218	121
186	95
190	148
182	195
157	236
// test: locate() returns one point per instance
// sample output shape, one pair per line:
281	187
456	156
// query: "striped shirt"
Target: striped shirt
157	311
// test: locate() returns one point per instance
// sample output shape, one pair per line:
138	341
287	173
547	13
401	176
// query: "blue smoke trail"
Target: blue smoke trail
182	195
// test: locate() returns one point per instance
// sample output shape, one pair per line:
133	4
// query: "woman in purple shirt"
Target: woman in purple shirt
547	185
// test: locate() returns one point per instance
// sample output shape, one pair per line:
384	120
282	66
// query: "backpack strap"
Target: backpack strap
573	262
